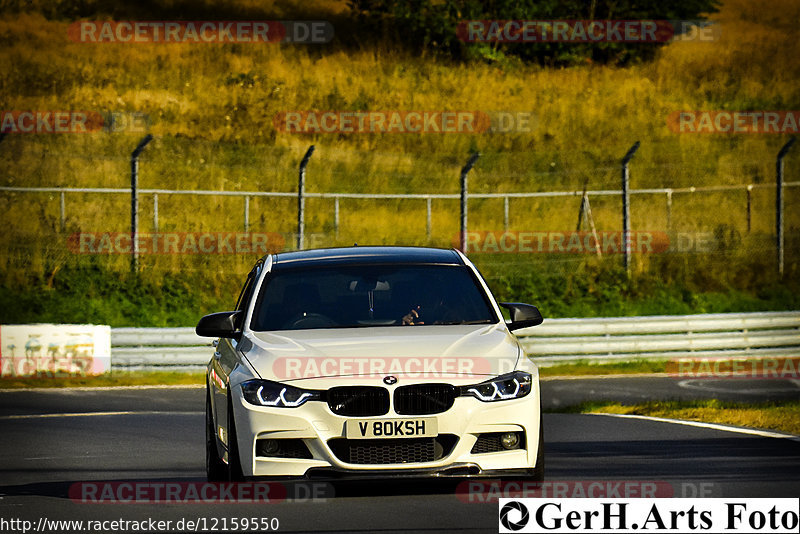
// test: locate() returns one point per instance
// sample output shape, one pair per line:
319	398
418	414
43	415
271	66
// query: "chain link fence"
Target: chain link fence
214	208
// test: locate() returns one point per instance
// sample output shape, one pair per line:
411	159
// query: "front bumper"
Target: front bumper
316	425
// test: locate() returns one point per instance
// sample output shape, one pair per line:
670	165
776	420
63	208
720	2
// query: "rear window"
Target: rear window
352	296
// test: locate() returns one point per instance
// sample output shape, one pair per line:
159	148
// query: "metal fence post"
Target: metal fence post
669	210
779	202
626	207
336	217
135	201
63	212
301	201
428	226
155	212
505	214
246	213
464	171
749	206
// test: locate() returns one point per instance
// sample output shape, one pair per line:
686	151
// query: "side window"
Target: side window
246	294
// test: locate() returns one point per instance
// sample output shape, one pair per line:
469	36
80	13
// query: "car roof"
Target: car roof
365	255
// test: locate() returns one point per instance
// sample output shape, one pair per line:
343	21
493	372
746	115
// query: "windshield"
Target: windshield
371	295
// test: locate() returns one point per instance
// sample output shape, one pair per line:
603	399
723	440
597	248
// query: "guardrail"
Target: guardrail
605	339
164	349
602	339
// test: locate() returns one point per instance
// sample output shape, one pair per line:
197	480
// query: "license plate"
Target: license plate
391	428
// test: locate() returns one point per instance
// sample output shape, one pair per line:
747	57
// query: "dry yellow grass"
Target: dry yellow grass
211	108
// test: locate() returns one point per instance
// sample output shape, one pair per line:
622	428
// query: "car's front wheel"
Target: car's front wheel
216	470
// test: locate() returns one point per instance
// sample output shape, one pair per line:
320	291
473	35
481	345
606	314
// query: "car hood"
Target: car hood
321	358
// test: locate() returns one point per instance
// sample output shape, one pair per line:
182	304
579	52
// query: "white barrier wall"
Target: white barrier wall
50	349
597	339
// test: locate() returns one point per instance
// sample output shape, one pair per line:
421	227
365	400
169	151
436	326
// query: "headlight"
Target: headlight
511	386
265	393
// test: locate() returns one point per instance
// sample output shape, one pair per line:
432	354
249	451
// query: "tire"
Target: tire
216	470
235	473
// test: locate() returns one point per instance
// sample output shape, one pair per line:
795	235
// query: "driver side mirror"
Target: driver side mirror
522	315
222	324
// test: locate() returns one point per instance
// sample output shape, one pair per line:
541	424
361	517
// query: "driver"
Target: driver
413	317
430	306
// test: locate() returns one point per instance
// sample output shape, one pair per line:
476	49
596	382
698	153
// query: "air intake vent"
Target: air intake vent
424	399
358	401
392	451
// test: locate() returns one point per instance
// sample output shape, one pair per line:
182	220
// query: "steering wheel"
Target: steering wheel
308	320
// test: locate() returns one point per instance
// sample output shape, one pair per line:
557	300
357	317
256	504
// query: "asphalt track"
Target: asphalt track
53	440
558	393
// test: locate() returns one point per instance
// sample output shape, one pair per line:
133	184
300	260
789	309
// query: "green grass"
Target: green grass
583	368
783	417
98	295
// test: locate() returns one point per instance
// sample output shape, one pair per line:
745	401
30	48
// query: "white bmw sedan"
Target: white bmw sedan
390	361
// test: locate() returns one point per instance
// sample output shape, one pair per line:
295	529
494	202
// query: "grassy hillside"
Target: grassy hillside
211	109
